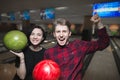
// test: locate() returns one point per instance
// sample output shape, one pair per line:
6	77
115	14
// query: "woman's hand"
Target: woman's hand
19	54
21	70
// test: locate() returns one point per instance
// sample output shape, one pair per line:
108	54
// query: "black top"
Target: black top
31	59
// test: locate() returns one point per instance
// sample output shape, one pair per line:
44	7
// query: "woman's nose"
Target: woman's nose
35	36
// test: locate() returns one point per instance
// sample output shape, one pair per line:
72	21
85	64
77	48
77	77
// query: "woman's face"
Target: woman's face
36	36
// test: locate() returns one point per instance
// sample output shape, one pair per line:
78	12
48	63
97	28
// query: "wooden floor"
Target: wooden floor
7	70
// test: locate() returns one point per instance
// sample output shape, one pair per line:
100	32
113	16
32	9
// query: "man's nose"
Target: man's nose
61	34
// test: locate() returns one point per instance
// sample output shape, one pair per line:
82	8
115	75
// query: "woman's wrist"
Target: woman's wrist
22	60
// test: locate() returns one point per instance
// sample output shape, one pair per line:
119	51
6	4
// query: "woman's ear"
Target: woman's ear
54	34
43	38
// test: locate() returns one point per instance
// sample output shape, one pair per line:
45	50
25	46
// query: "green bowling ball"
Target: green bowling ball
15	40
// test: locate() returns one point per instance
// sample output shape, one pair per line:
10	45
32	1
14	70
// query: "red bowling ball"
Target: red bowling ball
46	70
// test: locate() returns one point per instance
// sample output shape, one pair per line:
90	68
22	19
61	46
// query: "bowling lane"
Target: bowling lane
102	66
116	50
117	41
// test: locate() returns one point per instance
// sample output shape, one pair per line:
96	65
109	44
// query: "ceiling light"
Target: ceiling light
61	8
32	11
4	15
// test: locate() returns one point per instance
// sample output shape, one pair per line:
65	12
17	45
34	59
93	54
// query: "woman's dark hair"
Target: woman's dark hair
61	21
29	31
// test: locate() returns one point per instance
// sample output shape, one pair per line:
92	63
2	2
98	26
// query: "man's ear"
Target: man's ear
70	33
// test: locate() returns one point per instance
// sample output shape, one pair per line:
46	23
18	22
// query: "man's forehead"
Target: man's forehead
61	27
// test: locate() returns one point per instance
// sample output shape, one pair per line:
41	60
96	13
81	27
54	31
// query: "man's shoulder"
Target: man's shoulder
76	41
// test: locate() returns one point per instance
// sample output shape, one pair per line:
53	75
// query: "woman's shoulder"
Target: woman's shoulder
43	49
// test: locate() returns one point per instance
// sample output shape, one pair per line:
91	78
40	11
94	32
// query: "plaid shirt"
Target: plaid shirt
70	58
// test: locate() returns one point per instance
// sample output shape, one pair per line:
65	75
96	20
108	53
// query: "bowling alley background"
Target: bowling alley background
7	68
20	15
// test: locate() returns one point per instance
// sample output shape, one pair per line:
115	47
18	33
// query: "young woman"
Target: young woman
31	55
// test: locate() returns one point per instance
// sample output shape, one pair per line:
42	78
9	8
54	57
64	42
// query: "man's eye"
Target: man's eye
64	31
57	31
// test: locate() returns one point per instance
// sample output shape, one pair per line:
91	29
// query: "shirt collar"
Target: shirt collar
66	46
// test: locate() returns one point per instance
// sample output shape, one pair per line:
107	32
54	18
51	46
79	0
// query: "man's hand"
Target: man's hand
95	18
97	21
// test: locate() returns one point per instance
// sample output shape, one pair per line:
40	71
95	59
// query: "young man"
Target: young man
70	55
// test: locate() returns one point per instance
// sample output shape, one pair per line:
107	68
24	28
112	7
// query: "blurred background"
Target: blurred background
20	15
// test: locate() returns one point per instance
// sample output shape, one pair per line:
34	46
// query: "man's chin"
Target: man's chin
61	45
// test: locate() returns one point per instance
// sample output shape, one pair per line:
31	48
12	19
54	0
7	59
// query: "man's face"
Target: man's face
62	34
